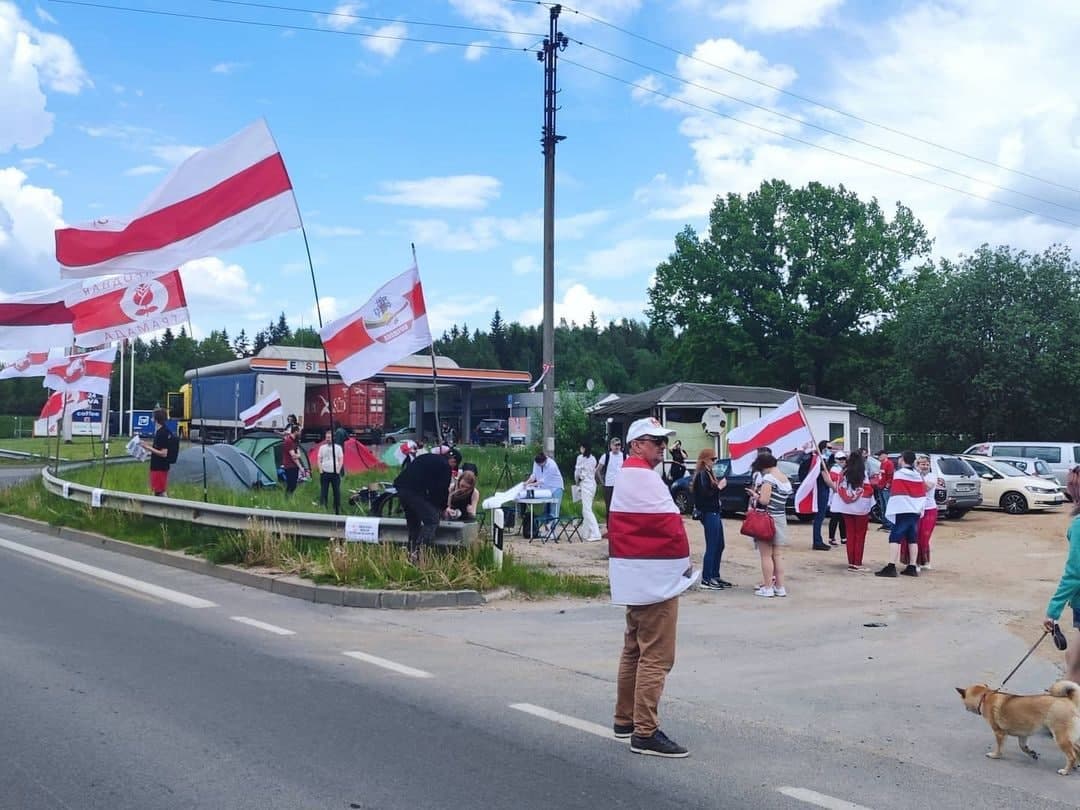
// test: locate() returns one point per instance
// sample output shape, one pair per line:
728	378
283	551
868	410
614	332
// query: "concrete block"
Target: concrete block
361	599
297	590
329	595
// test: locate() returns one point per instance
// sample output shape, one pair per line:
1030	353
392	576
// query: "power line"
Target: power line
280	26
813	145
811	125
814	102
367	18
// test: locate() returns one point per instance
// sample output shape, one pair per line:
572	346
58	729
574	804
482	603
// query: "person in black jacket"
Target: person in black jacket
706	489
423	488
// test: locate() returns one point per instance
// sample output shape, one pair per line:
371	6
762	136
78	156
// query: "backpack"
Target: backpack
601	469
173	449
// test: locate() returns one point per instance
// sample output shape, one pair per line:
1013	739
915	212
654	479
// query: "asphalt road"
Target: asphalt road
114	697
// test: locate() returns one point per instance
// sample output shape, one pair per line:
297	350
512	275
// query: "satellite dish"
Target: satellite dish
589	384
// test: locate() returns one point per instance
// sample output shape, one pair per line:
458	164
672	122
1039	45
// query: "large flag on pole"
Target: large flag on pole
268	406
48	422
391	325
32	364
36	319
783	430
90	372
806	496
126	307
221	197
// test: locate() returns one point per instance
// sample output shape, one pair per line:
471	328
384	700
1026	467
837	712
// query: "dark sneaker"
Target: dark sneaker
711	585
888	571
822	547
658	745
910	571
623	731
724	583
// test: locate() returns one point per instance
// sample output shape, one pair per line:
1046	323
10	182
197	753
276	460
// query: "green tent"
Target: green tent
265	447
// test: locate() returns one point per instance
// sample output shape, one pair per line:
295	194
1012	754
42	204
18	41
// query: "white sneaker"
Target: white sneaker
780	591
927	567
593	539
769	592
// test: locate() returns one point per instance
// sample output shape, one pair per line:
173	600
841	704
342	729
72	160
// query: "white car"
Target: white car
1006	487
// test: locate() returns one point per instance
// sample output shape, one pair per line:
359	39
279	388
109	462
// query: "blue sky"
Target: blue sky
390	142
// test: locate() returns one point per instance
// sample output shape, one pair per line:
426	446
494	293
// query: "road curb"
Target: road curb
283	585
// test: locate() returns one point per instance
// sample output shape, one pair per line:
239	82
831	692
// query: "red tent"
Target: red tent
357	458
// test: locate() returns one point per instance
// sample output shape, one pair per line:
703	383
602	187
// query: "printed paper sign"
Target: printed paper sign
95	496
362	530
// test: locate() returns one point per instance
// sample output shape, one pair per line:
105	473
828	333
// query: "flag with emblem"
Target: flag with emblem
32	364
89	372
126	307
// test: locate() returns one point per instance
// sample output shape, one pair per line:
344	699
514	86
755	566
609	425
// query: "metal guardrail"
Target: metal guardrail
299	524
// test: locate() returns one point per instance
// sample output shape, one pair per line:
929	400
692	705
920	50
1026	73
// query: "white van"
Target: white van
1060	457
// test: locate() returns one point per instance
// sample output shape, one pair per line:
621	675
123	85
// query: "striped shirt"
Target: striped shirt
779	494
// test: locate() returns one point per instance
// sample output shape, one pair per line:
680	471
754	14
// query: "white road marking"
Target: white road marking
136	585
566	720
269	628
393	666
820	799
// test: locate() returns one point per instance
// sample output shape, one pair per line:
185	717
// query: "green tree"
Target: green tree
783	281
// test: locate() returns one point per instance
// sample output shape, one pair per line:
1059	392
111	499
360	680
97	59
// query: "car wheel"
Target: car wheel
1014	503
955	514
682	501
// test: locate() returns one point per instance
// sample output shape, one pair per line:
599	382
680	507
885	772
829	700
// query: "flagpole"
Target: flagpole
131	395
105	426
434	370
120	397
318	313
59	431
202	420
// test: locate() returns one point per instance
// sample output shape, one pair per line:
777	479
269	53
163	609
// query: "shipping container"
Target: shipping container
360	408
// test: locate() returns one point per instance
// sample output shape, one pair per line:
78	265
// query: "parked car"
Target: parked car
1030	466
400	435
963	487
733	497
1059	456
491	431
1008	488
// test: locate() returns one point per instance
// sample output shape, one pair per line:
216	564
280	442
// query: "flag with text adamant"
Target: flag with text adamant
391	325
126	307
89	372
36	320
268	406
782	430
224	196
32	364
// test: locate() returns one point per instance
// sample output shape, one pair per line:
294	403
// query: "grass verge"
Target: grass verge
381	566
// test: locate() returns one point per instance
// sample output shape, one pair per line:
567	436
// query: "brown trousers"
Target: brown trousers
647	657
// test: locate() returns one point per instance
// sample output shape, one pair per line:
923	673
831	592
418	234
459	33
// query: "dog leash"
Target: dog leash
1022	660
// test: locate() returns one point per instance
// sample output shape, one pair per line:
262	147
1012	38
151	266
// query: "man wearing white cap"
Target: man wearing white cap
648	567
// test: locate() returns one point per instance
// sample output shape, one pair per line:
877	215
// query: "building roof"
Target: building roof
703	394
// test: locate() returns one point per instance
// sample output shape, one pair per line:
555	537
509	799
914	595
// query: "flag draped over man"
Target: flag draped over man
90	372
783	430
268	406
221	197
391	325
126	307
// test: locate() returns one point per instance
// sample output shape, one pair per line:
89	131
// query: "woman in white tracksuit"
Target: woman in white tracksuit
585	478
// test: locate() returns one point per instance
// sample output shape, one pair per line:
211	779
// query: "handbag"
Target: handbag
575	493
758	524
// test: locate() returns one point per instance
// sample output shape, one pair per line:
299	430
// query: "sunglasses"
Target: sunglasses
652	440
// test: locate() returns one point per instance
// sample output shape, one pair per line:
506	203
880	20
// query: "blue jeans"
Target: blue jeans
714	545
883	501
822	508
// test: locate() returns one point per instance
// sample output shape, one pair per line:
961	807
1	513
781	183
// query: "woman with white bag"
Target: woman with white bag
585	479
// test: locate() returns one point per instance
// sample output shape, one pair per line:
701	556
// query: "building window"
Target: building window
836	431
864	438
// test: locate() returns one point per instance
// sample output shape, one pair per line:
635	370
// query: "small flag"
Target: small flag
544	373
266	407
49	418
31	364
783	430
806	495
37	319
90	372
125	307
391	325
221	197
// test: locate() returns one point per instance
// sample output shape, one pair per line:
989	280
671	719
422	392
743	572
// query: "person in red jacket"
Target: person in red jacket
883	487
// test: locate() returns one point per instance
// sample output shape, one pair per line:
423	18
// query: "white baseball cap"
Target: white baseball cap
649	426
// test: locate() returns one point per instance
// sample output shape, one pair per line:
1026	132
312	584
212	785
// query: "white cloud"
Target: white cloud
221	294
387	40
28	217
522	17
484	233
525	266
45	16
445	311
227	68
776	15
339	19
631	257
464	191
475	51
146	168
174	153
334	231
578	304
31	62
36	163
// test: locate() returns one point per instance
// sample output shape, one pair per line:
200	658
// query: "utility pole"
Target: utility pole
549	54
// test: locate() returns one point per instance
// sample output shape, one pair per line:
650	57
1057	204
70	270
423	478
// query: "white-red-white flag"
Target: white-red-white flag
392	324
268	406
89	372
36	320
783	430
32	364
806	496
126	307
48	421
221	197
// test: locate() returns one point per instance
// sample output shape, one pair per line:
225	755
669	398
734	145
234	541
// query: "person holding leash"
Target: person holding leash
1068	589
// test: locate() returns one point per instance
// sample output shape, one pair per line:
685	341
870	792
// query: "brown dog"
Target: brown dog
1021	716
